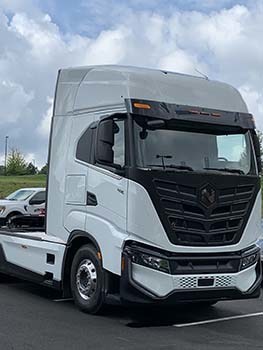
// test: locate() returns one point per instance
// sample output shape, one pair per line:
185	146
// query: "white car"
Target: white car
25	201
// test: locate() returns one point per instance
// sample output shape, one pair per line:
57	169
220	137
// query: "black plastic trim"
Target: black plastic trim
170	111
196	263
82	234
91	199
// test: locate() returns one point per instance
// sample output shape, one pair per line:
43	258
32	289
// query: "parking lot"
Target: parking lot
33	317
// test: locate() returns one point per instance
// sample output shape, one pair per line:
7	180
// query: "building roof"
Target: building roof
87	88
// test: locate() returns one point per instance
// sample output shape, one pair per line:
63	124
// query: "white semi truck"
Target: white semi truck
153	192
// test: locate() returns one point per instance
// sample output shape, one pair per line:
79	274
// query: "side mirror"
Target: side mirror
105	142
257	151
155	124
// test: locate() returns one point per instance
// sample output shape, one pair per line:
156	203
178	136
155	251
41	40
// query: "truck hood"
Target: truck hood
7	202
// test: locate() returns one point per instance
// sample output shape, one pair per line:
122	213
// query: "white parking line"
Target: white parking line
61	300
256	314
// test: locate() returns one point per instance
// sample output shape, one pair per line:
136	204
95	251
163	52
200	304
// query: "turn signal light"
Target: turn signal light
141	105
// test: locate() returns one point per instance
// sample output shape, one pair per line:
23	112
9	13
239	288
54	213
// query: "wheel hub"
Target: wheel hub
86	279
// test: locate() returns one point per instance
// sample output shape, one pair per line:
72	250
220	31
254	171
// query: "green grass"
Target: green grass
9	184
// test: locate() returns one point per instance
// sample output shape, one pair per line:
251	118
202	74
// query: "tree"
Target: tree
44	170
16	164
31	169
2	170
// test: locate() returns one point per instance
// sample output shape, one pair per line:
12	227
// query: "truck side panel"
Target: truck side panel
35	255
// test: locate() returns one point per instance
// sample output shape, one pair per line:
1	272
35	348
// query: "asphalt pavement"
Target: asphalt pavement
33	317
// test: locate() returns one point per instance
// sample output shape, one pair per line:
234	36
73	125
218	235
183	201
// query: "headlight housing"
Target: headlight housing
260	245
249	260
150	261
2	209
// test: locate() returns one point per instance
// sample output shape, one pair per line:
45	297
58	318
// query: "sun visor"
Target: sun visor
168	111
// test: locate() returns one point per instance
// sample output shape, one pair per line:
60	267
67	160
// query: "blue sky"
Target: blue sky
221	38
90	17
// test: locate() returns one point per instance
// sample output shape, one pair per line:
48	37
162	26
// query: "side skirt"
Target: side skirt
25	274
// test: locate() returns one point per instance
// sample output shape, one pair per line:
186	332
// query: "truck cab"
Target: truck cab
153	191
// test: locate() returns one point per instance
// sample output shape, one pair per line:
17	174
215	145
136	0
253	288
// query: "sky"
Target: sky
220	38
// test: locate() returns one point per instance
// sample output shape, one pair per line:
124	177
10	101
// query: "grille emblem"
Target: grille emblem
208	196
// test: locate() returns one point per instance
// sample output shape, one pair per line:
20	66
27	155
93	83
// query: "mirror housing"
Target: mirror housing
105	142
257	151
155	124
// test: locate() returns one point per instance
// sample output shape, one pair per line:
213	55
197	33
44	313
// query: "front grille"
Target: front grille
191	223
191	282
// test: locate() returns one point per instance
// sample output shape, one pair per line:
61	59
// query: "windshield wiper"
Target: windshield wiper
173	166
180	167
227	170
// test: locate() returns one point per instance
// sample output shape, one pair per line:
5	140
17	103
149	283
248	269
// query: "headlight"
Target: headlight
2	209
150	261
249	260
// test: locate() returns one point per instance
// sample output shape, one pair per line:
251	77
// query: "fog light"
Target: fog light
249	260
150	261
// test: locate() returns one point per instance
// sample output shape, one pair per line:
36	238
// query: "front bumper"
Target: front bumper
143	285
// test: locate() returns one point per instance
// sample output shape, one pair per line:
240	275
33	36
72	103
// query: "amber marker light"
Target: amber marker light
122	264
217	115
141	105
192	111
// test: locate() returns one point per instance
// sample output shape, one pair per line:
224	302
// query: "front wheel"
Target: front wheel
87	280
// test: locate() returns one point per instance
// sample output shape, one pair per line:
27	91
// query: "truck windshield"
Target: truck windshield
20	195
208	150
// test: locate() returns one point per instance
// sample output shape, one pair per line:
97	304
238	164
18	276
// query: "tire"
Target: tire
87	280
11	216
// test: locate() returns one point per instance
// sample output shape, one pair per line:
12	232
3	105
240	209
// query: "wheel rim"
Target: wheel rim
86	279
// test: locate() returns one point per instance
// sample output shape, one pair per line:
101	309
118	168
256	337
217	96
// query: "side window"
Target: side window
84	146
38	198
119	143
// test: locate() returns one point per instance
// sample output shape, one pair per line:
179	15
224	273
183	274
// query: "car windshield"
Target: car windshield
169	147
20	195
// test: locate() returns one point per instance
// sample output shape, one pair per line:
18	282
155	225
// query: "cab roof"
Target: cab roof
97	88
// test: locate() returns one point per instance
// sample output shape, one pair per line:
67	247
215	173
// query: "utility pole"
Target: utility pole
6	150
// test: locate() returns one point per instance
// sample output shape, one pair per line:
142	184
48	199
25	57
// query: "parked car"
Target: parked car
25	201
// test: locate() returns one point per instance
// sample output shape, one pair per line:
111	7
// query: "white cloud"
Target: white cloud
13	101
223	44
180	61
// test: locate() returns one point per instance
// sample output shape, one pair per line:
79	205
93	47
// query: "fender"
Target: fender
76	234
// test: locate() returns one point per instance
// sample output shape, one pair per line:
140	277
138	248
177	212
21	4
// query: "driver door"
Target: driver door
37	202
